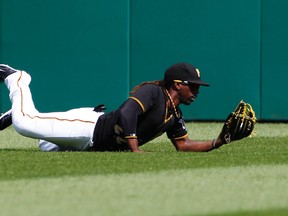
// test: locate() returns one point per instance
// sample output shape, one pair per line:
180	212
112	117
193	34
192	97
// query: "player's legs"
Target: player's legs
72	129
51	147
5	120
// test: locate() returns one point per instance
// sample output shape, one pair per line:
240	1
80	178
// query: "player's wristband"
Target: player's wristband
131	136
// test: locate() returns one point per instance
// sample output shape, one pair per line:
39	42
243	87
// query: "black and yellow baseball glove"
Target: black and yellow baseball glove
239	124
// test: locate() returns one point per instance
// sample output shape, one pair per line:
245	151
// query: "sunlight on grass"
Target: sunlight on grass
10	139
197	131
211	130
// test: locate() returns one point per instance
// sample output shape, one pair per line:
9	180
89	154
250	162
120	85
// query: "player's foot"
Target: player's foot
5	70
5	120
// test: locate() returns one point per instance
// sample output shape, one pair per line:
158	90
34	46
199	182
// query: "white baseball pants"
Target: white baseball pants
71	130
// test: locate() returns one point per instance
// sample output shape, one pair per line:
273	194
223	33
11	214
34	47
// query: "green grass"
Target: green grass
247	177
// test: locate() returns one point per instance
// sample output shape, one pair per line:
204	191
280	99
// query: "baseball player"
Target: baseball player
151	110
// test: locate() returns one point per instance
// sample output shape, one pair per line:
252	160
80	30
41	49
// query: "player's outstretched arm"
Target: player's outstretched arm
187	145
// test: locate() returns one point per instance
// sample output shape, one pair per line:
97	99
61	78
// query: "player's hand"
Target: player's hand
133	144
138	151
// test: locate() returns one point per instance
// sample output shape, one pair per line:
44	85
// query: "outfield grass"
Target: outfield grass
248	177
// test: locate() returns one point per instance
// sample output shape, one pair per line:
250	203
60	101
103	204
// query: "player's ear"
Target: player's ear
176	86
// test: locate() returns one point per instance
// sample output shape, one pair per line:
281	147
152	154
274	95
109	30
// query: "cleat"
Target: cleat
6	120
6	70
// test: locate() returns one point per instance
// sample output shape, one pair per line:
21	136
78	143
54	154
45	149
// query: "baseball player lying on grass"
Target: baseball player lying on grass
151	110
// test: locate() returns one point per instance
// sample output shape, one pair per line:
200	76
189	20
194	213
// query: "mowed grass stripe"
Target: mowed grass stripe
200	191
10	139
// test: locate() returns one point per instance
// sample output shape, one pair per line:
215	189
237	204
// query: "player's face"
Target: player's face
188	93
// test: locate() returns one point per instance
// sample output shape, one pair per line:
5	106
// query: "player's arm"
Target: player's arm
129	113
187	145
134	146
178	135
139	102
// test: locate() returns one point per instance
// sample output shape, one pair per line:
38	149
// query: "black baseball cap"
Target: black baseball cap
184	72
